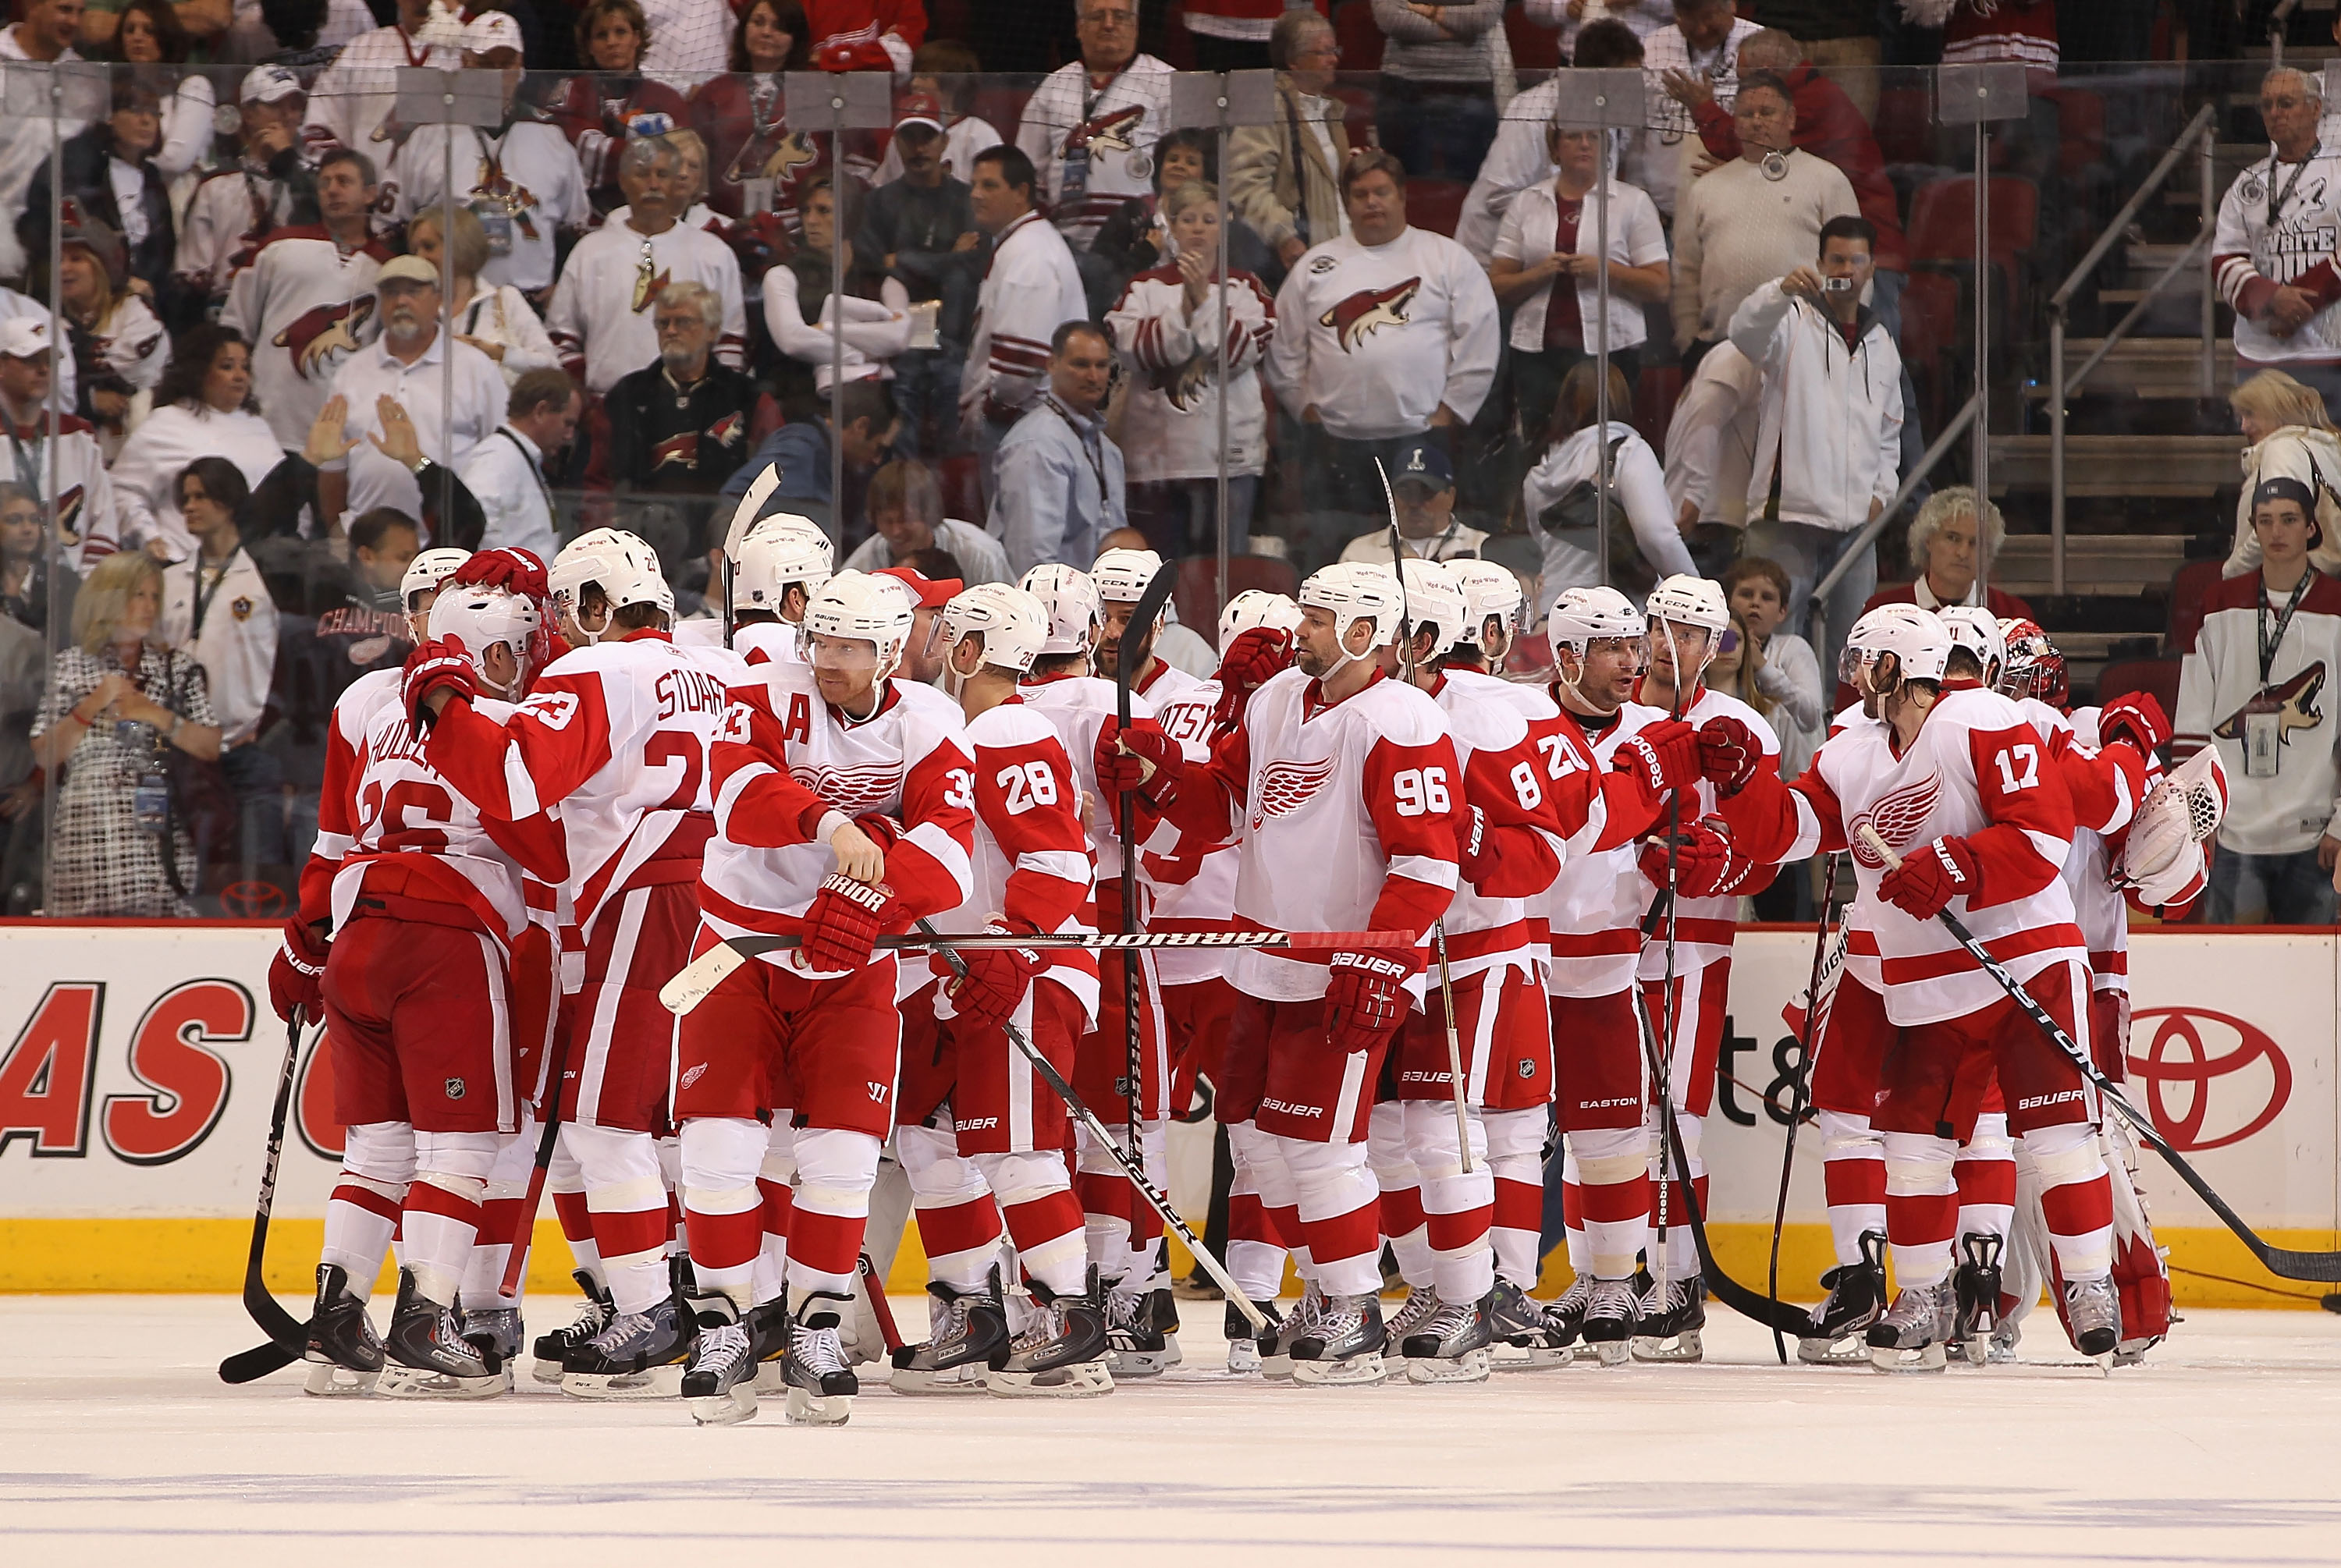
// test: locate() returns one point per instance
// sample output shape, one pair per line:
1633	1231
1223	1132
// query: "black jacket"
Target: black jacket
686	441
88	183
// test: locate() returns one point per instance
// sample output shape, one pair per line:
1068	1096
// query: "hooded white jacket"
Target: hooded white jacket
1830	421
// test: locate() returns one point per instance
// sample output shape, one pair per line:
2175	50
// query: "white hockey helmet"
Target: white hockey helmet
781	552
1490	592
1252	608
1012	623
483	617
426	571
863	607
2162	857
620	564
1070	599
1978	630
1355	591
1435	603
1920	643
1121	575
1686	600
1581	617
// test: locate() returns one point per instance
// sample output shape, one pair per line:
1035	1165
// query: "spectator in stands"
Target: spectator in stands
803	310
1090	128
2252	687
31	593
866	34
1547	258
75	472
1234	35
1169	324
920	227
45	33
679	425
1704	44
2273	250
924	650
1752	220
119	699
1949	558
1061	475
1829	444
740	118
353	99
496	319
1711	451
1830	125
2290	436
153	39
942	70
1284	178
802	449
119	348
1639	17
1779	675
1841	38
217	607
205	407
906	520
108	173
1137	238
1521	155
1560	495
270	175
1389	336
1031	287
506	472
1443	69
1422	489
612	36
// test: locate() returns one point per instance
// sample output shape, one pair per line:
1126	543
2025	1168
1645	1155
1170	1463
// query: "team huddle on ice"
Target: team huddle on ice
567	796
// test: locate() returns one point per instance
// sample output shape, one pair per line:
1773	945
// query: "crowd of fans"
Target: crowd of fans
290	354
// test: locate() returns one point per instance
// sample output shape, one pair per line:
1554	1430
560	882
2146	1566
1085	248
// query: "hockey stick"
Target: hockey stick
1811	1032
1131	654
524	1232
880	1307
2321	1267
1131	1164
285	1334
693	983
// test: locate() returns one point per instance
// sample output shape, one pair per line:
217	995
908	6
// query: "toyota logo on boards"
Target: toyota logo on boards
2211	1079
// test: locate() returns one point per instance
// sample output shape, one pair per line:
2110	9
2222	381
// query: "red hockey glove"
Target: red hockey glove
997	978
518	570
1702	857
2137	718
845	921
1663	754
1930	877
296	974
1475	845
1257	656
1118	770
1728	752
440	663
1367	999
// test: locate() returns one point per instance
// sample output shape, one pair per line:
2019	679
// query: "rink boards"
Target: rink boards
141	1062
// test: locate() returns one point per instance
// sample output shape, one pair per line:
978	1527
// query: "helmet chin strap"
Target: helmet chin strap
1341	646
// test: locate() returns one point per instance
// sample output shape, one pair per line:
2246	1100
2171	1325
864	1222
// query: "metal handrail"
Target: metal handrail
2277	19
2061	385
1816	614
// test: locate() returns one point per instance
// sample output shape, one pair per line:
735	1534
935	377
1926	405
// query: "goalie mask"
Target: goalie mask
488	618
2033	667
2162	856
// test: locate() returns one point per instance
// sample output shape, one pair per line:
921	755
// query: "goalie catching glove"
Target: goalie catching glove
1366	1000
2161	864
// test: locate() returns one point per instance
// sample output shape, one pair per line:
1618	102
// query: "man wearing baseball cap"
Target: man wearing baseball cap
86	527
269	168
923	227
923	654
1422	480
397	419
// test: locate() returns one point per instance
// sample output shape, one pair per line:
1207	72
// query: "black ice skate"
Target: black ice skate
1412	1313
1913	1334
2092	1316
768	1338
967	1336
1528	1333
821	1381
1672	1316
1064	1351
552	1350
719	1380
1613	1316
1857	1294
1451	1345
1342	1345
1976	1284
1245	1347
495	1332
1139	1349
1163	1306
1276	1348
345	1355
426	1356
639	1355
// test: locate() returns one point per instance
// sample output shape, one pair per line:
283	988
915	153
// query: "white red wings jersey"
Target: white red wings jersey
1031	287
601	315
1346	818
787	763
616	734
1703	928
1030	859
1976	770
529	174
1106	137
758	642
1172	428
89	527
337	797
306	307
2108	783
1193	882
1078	706
1593	911
1487	925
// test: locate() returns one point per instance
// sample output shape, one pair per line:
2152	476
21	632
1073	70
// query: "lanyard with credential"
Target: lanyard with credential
203	596
1097	459
533	471
2269	646
2277	199
28	471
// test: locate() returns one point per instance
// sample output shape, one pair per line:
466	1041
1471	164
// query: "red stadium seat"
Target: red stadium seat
1942	220
1906	127
1534	47
1436	204
1198	598
1360	35
2188	590
2158	676
1655	396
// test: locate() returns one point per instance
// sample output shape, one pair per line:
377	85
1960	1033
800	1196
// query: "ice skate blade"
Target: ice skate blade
808	1409
1134	1366
544	1370
1356	1372
331	1380
398	1382
1079	1380
2000	1355
1925	1358
1471	1366
1276	1368
658	1383
1975	1352
1243	1359
725	1409
1612	1353
1528	1358
951	1381
1684	1348
1847	1350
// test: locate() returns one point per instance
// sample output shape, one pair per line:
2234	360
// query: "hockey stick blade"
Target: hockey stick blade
1810	1033
283	1330
252	1365
2315	1267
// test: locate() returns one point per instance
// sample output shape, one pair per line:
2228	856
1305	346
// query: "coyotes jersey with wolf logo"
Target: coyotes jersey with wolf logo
1172	430
1115	131
305	306
528	174
603	308
2221	679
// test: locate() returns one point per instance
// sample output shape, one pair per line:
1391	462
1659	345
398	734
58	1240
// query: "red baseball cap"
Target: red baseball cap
930	593
919	109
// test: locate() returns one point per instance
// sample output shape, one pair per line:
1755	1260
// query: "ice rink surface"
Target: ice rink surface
119	1444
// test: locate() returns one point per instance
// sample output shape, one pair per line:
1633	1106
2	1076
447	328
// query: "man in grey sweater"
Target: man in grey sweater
1436	103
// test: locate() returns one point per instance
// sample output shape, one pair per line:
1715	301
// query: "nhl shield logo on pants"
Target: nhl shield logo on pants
454	1087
